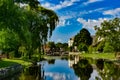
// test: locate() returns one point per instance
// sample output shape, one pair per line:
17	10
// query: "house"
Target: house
70	42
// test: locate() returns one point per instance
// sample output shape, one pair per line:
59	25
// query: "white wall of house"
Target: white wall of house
70	42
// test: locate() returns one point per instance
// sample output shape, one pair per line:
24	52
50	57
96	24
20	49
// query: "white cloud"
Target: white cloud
61	5
59	40
63	21
90	23
113	12
90	11
91	1
60	76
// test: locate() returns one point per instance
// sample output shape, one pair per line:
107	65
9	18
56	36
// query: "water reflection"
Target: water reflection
75	68
32	73
83	69
59	71
111	71
52	61
100	64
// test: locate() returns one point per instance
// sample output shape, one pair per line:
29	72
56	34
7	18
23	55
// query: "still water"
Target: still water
75	68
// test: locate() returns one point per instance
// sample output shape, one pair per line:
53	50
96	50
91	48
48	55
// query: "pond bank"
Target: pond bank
108	56
9	71
8	67
8	62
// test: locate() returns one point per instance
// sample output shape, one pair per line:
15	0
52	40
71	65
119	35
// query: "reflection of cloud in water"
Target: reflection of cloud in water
59	76
94	75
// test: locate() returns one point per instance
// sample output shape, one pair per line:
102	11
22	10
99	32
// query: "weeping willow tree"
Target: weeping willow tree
41	23
32	23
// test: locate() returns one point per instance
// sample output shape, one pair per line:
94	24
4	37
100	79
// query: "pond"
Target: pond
75	68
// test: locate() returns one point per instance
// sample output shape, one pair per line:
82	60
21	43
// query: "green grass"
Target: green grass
109	56
9	62
6	63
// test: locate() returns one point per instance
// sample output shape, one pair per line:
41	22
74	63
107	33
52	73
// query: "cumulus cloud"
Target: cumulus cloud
64	20
91	1
90	23
60	76
113	12
63	23
61	5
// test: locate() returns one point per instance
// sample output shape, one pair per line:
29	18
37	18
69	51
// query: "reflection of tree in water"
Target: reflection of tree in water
51	61
83	69
32	73
100	64
110	71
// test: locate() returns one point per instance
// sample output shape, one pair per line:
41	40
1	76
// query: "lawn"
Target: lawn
6	63
109	56
9	62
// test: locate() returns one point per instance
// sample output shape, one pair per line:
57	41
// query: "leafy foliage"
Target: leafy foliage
100	46
82	47
108	47
9	42
83	39
110	31
83	69
32	25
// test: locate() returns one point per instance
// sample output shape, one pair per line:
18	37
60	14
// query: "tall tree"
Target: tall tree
110	31
83	37
9	41
33	25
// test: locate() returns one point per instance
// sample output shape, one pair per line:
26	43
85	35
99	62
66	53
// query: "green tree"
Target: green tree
9	41
31	23
82	47
100	46
83	38
63	46
52	46
40	25
110	31
108	47
83	69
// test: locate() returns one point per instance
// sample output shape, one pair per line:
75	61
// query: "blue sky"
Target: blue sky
77	14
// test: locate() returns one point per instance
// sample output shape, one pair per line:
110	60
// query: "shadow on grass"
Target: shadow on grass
6	63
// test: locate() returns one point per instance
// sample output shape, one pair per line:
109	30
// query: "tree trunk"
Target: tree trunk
8	55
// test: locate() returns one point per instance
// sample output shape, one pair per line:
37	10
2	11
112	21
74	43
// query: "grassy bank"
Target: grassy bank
9	62
109	56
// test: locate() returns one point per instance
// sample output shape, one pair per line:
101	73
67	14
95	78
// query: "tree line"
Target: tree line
106	39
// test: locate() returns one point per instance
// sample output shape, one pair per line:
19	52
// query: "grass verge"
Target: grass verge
109	56
9	62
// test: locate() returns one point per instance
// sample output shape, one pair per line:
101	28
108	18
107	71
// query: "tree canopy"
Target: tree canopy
32	23
83	39
110	32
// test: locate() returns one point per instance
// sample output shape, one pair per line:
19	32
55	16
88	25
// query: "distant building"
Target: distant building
70	42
